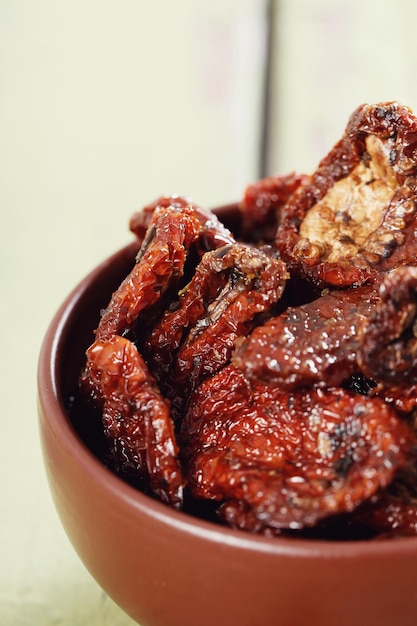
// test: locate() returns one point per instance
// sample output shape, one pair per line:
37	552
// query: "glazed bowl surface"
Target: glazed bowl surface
167	568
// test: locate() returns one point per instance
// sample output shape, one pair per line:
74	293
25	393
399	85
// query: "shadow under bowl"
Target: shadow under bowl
168	568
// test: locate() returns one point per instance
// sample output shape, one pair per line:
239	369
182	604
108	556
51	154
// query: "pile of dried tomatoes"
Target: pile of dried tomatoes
269	377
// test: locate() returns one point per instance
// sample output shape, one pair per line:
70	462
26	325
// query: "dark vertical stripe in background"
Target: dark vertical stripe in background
271	7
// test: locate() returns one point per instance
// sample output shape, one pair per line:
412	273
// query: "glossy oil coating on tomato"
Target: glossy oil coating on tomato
231	287
285	460
357	214
313	344
388	338
171	231
136	418
262	204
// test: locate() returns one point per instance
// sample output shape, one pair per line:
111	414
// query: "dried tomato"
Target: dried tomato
357	214
388	337
393	511
276	459
231	287
313	344
262	203
213	233
136	418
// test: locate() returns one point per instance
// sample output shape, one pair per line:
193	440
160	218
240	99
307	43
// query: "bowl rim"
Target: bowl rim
53	415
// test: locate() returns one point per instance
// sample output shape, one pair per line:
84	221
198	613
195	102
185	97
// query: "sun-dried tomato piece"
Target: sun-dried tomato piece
136	418
159	265
276	460
357	215
388	337
403	396
392	512
231	288
140	220
160	262
213	233
313	344
388	340
262	203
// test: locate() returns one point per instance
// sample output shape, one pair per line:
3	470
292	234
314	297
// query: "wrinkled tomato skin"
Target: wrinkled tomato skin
277	460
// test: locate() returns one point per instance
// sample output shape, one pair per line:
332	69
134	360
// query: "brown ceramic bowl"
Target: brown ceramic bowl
167	568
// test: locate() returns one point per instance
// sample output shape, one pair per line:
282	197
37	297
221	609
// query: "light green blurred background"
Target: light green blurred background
104	106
